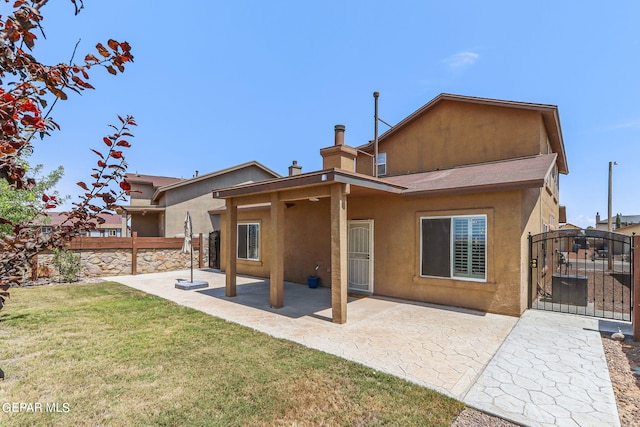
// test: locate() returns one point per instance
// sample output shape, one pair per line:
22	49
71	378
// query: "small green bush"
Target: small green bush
68	264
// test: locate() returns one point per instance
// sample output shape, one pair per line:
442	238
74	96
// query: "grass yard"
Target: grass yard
105	354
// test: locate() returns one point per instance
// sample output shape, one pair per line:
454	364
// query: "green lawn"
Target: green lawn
105	354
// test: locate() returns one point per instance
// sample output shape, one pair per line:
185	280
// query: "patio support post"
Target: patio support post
231	245
276	282
339	253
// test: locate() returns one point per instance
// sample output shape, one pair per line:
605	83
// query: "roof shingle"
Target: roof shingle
521	173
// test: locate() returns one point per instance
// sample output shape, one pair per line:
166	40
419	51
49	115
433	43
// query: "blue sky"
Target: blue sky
215	84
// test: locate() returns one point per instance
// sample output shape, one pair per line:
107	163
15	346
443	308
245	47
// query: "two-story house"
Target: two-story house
460	184
158	204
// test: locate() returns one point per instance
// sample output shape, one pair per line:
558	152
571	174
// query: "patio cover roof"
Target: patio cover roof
529	172
309	180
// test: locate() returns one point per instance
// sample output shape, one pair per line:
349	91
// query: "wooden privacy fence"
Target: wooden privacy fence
111	255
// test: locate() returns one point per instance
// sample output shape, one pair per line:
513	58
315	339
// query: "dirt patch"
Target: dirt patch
622	358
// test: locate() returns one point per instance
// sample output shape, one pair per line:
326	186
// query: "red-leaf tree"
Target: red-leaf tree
28	93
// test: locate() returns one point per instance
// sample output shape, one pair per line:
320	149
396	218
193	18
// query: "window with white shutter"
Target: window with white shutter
454	247
249	241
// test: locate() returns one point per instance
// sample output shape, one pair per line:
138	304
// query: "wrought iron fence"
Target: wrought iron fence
586	272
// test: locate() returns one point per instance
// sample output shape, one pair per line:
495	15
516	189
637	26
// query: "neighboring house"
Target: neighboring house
569	226
625	220
462	182
629	230
113	226
159	206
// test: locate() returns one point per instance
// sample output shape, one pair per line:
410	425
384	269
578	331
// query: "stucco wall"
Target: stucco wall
197	198
147	225
252	268
141	194
456	133
198	208
397	247
538	206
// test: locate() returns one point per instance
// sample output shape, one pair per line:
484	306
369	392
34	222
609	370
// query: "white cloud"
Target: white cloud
461	60
633	123
582	220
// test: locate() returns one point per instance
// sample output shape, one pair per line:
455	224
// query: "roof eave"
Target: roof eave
506	186
311	179
165	188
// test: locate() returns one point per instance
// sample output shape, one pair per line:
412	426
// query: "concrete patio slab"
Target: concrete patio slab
438	347
544	369
550	371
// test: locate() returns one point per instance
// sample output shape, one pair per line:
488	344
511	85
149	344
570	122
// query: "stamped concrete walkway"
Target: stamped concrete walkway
541	370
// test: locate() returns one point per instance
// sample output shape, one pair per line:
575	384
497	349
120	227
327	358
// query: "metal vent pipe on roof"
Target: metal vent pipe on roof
375	133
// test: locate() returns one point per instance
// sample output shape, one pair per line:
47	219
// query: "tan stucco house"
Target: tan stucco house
461	183
158	204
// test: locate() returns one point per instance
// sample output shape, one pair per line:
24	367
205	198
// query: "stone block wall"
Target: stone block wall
118	261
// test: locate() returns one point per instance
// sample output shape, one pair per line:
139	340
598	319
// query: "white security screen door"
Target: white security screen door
360	256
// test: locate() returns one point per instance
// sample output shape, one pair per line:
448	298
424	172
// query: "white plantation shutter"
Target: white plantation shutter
253	242
478	247
469	247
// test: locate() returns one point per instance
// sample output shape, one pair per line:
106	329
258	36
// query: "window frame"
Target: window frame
383	163
452	249
247	243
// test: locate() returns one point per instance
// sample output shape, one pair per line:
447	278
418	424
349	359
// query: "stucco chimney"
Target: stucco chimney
339	138
295	169
339	156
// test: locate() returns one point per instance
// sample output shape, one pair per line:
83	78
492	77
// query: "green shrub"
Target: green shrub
68	264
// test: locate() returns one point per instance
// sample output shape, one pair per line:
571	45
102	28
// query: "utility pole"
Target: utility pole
609	219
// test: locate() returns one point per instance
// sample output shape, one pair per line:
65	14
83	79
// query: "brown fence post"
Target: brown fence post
636	288
200	250
134	253
34	267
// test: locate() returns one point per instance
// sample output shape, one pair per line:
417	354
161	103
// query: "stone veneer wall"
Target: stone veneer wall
116	262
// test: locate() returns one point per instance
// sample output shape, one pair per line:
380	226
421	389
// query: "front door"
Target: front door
360	256
214	249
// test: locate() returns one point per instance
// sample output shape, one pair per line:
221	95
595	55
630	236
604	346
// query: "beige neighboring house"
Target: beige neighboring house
460	184
159	206
114	225
625	220
629	230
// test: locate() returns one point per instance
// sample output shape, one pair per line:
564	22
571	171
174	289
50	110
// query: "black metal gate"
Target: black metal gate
586	272
214	249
